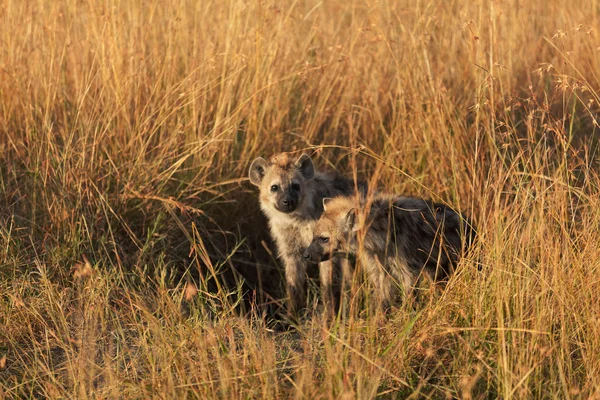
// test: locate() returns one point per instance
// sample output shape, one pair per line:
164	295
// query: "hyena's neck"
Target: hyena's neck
283	220
349	243
309	209
322	186
377	226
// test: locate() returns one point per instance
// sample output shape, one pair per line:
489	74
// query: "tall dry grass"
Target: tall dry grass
134	259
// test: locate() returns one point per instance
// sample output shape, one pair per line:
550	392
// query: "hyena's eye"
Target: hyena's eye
296	187
274	188
323	239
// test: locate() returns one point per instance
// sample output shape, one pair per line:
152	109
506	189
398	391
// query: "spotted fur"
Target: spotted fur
291	196
402	237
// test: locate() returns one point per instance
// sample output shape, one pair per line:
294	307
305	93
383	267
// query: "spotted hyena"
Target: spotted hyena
402	237
291	196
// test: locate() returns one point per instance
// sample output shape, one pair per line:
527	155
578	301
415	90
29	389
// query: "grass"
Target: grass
135	262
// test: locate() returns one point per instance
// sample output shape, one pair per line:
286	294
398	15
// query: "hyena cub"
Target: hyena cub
403	237
291	196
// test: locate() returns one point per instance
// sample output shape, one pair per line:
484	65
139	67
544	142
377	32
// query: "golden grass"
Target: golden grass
126	222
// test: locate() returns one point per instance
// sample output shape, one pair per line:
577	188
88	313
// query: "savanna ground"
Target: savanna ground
135	261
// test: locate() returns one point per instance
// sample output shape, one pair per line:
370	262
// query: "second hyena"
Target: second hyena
291	196
402	237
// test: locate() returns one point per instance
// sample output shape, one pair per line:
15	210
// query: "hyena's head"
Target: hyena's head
282	181
335	231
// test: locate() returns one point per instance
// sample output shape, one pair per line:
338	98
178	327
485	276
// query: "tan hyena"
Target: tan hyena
291	196
401	238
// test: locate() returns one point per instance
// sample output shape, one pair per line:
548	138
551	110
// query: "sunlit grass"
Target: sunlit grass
135	262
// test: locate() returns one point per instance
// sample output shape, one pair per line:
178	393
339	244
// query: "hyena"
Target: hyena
291	196
402	237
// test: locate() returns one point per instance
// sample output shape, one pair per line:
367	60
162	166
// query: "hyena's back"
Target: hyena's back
427	235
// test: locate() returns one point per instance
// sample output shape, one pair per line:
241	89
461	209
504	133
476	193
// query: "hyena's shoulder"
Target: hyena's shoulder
421	210
406	214
418	218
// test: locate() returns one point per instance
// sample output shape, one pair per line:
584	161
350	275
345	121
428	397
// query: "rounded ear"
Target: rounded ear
350	221
257	171
306	167
326	201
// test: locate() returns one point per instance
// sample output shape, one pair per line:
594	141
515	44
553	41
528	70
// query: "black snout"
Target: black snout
310	256
289	202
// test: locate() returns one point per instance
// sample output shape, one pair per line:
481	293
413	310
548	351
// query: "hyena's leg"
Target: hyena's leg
326	276
388	288
295	278
346	268
382	281
408	278
335	275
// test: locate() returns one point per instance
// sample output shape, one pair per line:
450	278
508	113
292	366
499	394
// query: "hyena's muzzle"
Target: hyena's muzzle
316	253
287	201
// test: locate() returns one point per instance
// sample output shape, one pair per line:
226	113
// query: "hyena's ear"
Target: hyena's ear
257	171
326	201
350	220
306	167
